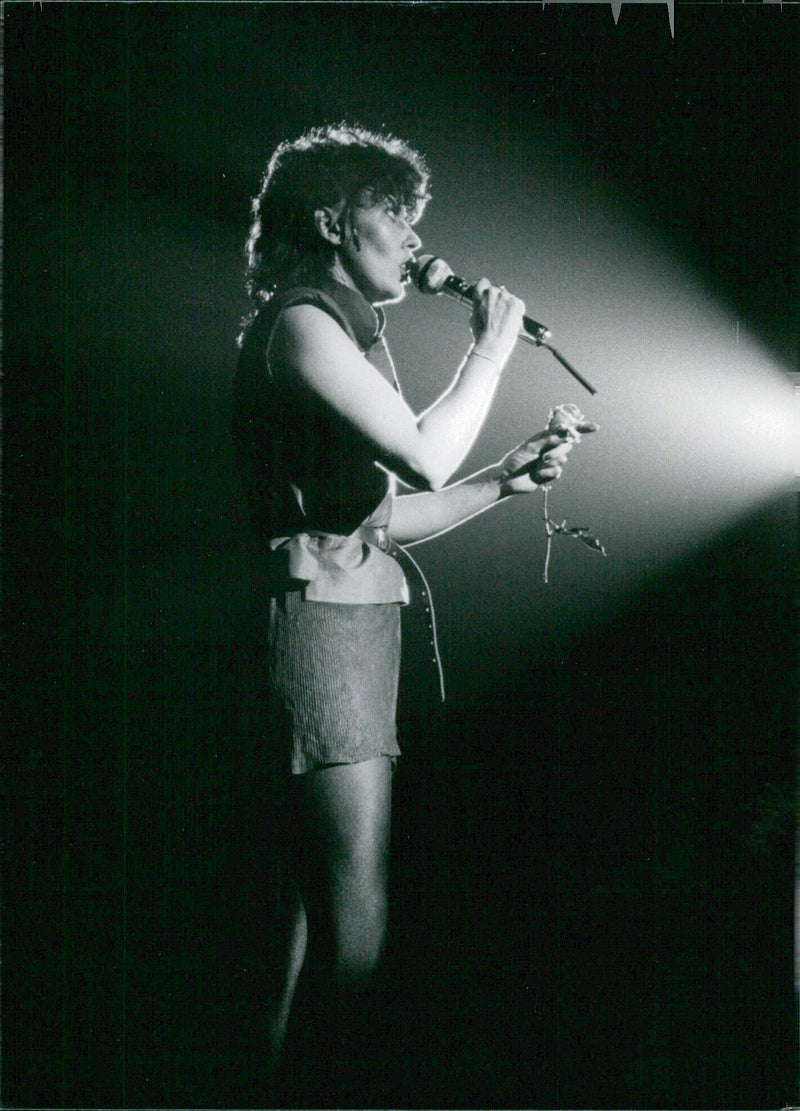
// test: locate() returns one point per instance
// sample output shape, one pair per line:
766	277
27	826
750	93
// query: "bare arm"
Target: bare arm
537	461
540	460
423	451
417	517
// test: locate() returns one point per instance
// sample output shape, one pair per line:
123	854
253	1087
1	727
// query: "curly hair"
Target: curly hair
321	168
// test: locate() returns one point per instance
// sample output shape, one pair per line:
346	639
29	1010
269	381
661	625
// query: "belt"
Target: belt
379	537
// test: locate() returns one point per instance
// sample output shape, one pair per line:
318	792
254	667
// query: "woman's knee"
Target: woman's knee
360	936
357	965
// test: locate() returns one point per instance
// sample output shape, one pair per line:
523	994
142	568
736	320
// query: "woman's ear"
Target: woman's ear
326	221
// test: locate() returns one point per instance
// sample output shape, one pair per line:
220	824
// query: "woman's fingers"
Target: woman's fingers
482	286
554	447
498	309
556	455
548	473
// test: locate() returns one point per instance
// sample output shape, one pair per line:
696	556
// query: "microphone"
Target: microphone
432	275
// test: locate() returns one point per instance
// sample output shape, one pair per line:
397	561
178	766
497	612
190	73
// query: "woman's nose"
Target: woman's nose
412	241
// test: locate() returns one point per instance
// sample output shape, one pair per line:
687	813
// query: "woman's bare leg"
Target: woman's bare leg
294	933
345	870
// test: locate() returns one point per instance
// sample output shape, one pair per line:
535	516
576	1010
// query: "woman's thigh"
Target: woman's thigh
347	817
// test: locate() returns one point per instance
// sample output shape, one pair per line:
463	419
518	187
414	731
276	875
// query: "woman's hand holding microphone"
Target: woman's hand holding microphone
496	322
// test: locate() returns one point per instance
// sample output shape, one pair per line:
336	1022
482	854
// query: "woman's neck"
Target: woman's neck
339	274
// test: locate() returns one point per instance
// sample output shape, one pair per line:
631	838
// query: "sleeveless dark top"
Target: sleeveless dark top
301	465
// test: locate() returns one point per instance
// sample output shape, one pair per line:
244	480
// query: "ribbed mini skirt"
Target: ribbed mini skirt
333	674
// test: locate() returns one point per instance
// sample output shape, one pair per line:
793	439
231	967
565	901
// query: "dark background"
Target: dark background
593	840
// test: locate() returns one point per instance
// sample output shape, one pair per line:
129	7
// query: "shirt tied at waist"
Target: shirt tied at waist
349	569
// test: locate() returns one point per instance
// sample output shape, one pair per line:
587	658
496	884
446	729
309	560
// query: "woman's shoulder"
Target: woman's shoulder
308	295
297	326
273	314
309	319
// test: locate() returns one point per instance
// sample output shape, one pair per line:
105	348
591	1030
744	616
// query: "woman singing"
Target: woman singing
324	441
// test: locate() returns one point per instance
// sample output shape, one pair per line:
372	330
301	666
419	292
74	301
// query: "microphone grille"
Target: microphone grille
429	273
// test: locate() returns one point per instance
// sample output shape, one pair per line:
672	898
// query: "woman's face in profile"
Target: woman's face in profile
378	266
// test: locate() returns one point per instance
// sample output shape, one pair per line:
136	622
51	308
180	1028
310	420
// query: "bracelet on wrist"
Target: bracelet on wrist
488	358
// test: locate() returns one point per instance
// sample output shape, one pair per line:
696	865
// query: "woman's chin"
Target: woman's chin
390	296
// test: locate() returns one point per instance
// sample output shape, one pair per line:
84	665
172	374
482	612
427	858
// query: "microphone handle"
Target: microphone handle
459	290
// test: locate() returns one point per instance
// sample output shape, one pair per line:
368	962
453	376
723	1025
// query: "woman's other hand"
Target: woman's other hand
539	460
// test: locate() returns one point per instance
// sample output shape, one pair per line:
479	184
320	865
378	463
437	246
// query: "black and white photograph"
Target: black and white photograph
399	526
